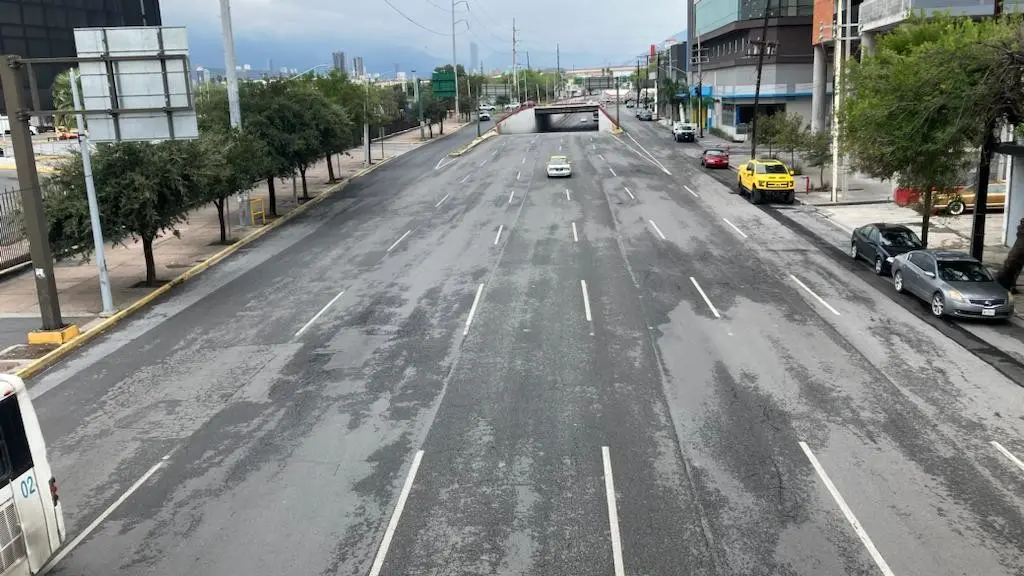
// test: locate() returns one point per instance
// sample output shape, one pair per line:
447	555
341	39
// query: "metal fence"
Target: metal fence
13	242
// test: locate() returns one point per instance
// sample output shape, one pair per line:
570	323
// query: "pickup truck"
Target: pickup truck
766	179
684	132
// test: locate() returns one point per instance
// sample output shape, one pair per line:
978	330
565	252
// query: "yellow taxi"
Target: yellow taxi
766	179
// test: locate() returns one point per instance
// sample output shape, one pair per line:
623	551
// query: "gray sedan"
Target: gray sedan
954	283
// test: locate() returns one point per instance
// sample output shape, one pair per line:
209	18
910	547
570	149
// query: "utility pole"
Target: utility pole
528	60
455	66
366	122
762	45
419	103
476	107
515	72
33	213
558	71
981	186
837	96
234	108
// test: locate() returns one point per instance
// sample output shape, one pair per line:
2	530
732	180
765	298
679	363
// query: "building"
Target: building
339	61
474	57
726	35
357	67
44	29
673	63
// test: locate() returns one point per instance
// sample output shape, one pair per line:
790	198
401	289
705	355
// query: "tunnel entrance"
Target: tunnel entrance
575	122
557	118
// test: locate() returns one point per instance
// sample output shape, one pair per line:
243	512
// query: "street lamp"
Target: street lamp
455	66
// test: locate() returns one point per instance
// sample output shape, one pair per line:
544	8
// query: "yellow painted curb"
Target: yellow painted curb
58	337
475	142
39	364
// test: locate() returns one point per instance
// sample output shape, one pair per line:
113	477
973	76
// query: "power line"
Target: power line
441	8
402	14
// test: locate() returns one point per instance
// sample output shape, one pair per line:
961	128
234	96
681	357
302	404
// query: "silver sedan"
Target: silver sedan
954	283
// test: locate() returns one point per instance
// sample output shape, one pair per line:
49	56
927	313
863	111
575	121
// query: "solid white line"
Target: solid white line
389	533
850	517
318	314
567	194
472	309
11	347
586	300
630	193
518	174
690	191
656	229
484	162
399	240
612	171
601	156
705	297
523	160
497	237
575	236
464	178
818	298
103	516
511	196
613	512
442	201
1009	455
738	231
653	159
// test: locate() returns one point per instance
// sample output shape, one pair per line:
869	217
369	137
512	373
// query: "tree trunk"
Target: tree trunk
330	170
219	203
430	127
442	125
926	216
147	251
302	173
1007	276
821	176
271	198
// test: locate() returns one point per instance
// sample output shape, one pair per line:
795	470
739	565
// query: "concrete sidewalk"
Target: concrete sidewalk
198	239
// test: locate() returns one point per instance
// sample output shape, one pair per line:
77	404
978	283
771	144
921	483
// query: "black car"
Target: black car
880	243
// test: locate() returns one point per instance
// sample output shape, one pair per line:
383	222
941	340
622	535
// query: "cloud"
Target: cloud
605	28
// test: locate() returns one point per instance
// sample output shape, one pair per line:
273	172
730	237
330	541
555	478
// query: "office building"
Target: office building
339	61
44	29
727	36
357	67
474	57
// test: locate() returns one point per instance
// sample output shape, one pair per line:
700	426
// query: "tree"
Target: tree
63	100
817	151
918	109
142	189
231	162
502	100
768	131
789	133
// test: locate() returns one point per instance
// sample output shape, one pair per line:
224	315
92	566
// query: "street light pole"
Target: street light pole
234	106
455	66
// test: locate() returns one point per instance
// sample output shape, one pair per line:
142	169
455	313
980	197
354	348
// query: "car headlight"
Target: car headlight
955	295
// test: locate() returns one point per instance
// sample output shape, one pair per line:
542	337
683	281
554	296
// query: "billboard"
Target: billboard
598	83
495	90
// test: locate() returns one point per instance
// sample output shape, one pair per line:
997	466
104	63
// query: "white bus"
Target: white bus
31	522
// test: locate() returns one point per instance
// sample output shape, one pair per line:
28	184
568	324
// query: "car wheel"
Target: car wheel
897	281
790	197
854	252
756	196
938	305
879	267
956	208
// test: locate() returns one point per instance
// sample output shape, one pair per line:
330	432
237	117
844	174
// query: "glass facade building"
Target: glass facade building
44	29
711	15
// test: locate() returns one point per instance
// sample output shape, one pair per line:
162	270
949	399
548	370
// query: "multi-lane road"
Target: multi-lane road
462	367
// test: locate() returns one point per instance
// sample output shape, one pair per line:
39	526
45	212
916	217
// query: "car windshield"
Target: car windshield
900	239
963	271
771	169
714	153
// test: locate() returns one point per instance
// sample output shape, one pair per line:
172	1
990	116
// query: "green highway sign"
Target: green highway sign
443	84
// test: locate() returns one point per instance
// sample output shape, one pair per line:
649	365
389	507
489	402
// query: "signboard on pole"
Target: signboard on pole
598	83
495	90
136	83
443	84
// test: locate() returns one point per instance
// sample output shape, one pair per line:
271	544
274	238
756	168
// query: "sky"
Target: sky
606	29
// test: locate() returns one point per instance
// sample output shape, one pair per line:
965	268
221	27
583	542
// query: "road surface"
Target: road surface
460	366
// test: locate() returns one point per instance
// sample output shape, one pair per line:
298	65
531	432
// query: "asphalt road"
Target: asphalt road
460	366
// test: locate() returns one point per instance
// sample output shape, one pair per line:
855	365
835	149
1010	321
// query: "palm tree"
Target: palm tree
63	103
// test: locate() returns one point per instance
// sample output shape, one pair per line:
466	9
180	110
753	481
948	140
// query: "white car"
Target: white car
559	167
485	115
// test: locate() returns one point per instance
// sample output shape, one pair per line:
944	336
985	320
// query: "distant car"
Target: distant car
484	115
629	104
584	120
714	158
880	243
559	167
646	114
954	283
684	132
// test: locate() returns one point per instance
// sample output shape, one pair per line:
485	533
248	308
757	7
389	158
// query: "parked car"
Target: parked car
714	158
765	179
684	132
880	243
956	201
954	283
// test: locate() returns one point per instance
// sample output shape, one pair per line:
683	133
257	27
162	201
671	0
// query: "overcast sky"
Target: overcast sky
604	27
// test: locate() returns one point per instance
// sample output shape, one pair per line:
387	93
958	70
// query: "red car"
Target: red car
714	158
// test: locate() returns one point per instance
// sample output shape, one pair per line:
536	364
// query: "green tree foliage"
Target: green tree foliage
790	134
231	162
63	100
817	151
768	132
918	109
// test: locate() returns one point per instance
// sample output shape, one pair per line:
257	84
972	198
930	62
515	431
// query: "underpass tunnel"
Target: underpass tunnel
573	122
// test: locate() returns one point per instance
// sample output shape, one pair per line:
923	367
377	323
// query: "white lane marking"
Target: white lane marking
601	156
441	163
630	193
738	231
466	177
816	297
838	225
103	516
511	196
559	147
586	300
389	533
612	171
613	512
575	236
484	162
497	237
397	242
850	517
649	155
318	314
472	309
656	229
690	191
1009	455
441	201
523	160
518	174
567	194
705	297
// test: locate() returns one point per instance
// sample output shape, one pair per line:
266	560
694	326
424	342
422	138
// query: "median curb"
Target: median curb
476	142
38	365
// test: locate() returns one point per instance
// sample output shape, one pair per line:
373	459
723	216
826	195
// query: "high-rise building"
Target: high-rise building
339	61
728	35
44	29
474	57
357	67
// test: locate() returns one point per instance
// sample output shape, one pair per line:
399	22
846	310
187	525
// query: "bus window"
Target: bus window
17	457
